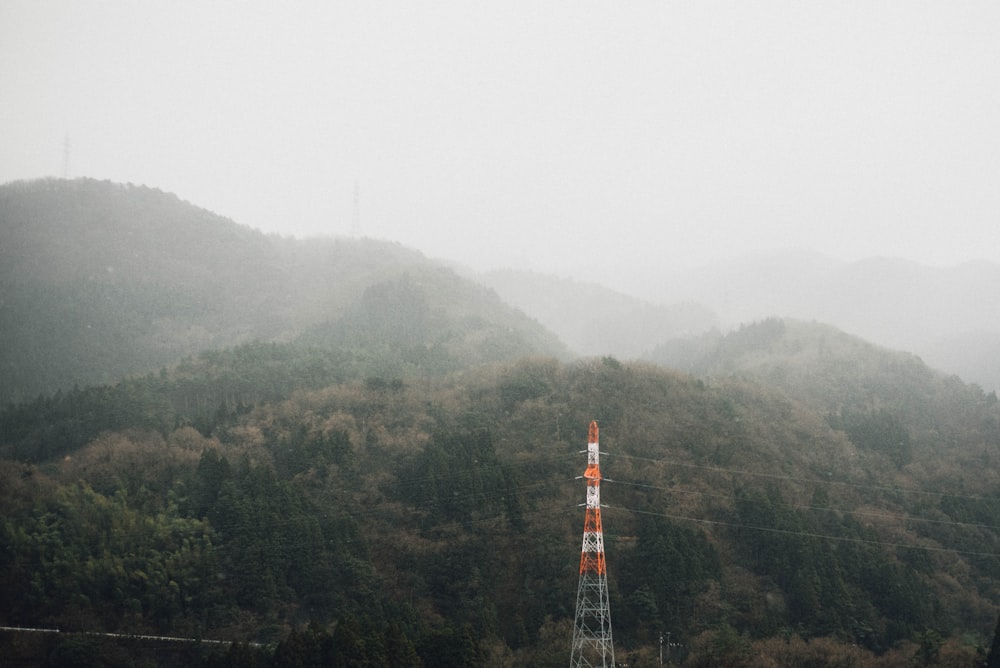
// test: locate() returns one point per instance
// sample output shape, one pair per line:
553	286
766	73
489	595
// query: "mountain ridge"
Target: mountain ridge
949	316
101	280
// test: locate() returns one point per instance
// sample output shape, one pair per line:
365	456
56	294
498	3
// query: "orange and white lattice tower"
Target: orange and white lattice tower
592	642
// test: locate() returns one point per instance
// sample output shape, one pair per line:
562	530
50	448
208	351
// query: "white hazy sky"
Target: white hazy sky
555	135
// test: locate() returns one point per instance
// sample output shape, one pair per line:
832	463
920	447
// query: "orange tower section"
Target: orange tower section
592	640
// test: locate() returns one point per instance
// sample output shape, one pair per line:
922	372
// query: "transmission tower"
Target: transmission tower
592	642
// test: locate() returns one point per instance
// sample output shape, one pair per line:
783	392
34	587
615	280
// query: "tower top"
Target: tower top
593	471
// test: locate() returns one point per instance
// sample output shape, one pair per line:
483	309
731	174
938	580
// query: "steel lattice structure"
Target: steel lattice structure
592	641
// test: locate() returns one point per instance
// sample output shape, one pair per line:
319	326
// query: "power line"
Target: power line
845	539
828	509
814	481
127	636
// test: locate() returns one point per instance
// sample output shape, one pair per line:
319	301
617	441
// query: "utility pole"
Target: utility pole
592	642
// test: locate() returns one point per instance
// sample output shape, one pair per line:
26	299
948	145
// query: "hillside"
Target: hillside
946	315
348	455
101	280
949	316
246	492
849	380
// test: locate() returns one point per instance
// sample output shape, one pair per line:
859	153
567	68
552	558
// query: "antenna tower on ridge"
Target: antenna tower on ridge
65	162
592	641
356	213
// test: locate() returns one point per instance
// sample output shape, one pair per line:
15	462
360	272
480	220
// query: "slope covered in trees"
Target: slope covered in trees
360	459
946	314
436	514
101	280
887	399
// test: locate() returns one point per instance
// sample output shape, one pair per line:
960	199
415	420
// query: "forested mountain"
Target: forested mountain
380	466
949	316
755	513
851	381
100	280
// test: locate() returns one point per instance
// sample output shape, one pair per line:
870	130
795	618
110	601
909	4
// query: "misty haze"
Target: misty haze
310	315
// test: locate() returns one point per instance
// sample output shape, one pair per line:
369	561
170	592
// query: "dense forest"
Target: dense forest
397	483
275	494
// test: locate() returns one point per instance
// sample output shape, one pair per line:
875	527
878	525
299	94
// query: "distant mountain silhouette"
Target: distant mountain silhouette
100	280
925	310
595	320
949	316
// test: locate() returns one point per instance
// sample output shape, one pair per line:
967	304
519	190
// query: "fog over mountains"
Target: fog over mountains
163	279
298	356
949	316
100	280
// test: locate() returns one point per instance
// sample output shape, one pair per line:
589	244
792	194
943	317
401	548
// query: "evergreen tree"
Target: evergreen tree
399	650
993	658
348	645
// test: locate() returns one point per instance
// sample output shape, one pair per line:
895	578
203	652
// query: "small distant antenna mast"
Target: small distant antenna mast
65	161
356	214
